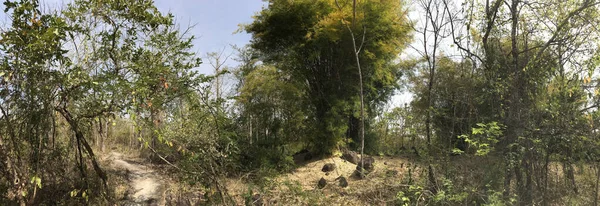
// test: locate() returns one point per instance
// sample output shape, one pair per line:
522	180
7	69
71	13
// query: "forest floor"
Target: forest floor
137	181
140	184
300	187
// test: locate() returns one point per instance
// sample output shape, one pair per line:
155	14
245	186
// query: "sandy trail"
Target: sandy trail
144	184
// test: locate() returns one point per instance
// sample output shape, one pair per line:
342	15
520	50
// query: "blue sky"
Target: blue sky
214	21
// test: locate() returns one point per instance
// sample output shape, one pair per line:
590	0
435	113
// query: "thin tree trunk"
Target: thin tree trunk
155	123
514	104
596	188
81	139
545	189
362	106
131	136
362	101
101	134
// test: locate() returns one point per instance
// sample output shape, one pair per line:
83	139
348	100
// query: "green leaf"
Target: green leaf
457	151
74	192
37	181
477	131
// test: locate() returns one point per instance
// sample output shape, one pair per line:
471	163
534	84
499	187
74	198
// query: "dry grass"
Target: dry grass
300	186
390	175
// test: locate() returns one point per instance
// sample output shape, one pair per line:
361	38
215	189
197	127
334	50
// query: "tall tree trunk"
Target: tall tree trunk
360	78
514	103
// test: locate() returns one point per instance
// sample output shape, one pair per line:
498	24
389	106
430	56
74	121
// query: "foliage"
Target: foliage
520	93
523	78
31	50
484	137
307	42
273	118
90	61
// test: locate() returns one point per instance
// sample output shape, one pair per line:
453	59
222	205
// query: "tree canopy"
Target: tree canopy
308	41
503	107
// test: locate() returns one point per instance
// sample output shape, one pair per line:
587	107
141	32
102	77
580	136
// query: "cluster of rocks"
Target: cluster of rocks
351	157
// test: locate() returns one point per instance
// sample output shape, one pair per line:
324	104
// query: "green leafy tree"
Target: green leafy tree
273	106
309	41
31	49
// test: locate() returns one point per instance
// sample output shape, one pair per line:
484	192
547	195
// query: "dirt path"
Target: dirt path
145	187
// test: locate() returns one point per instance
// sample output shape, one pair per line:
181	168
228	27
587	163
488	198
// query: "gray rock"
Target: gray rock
342	181
351	157
322	183
328	167
369	163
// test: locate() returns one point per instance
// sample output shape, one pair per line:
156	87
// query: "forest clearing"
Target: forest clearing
313	102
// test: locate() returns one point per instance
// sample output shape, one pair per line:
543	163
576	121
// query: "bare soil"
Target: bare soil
144	186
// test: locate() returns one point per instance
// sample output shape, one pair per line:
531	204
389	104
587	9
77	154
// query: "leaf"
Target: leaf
477	131
37	181
74	192
457	151
84	195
